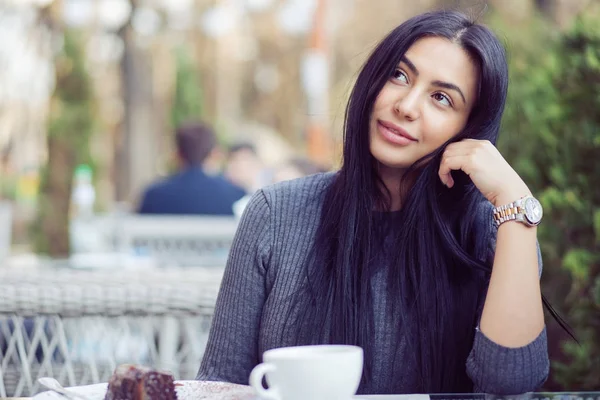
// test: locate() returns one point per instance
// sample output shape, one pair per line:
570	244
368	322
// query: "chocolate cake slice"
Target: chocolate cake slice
133	382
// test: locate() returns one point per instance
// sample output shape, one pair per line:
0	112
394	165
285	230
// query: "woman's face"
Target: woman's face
425	102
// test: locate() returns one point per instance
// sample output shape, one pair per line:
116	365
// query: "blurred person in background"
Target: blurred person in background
192	190
245	168
296	168
292	169
213	164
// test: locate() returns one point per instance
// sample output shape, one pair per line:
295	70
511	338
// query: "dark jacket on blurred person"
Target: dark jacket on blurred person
192	190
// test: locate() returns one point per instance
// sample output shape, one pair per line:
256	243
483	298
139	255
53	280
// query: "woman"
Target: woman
398	252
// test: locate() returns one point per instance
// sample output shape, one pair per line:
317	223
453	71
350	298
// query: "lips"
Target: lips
393	134
397	130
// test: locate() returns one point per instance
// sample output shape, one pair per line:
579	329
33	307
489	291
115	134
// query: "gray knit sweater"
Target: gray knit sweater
266	265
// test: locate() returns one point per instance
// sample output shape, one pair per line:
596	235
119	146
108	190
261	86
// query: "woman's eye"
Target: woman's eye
442	98
400	76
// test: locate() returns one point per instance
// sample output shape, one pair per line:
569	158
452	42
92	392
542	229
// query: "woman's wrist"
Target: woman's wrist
511	194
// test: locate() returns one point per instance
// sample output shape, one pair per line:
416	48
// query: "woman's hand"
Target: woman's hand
489	171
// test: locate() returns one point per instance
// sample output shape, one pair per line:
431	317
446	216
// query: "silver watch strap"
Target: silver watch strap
510	212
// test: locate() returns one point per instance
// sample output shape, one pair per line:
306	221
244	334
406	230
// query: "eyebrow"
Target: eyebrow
445	85
450	86
411	66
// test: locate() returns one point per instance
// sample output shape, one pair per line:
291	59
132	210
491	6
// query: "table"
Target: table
525	396
476	396
481	396
77	325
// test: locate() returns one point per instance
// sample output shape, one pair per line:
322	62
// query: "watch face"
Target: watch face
533	210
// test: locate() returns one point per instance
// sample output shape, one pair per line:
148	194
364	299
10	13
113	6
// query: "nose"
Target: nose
407	106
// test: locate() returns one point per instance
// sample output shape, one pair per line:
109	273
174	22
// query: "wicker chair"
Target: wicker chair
77	325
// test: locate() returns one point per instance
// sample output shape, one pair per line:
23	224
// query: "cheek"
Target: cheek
385	99
378	106
440	128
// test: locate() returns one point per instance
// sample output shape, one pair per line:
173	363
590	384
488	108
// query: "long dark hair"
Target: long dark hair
442	255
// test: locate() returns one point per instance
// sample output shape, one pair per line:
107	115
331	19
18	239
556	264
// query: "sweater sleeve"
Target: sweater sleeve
502	370
232	348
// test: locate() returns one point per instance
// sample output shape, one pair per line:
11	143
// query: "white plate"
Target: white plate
186	390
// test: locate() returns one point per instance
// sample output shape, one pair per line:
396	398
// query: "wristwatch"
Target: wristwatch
526	210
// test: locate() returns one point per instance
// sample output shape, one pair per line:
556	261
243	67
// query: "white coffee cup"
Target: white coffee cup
322	372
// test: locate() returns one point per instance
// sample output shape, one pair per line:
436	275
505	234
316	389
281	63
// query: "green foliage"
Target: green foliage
551	135
187	101
70	127
597	224
8	188
577	374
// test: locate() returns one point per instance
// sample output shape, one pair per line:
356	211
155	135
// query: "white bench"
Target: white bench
168	240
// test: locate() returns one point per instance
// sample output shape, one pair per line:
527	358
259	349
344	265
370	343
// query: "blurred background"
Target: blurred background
91	92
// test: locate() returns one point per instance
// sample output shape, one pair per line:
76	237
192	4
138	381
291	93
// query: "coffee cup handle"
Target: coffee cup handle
256	377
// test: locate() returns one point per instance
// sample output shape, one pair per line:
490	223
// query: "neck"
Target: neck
397	184
184	166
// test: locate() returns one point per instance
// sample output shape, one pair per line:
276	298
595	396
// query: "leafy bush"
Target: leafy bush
551	135
70	127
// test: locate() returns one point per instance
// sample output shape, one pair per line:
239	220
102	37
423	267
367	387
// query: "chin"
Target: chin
392	161
394	165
